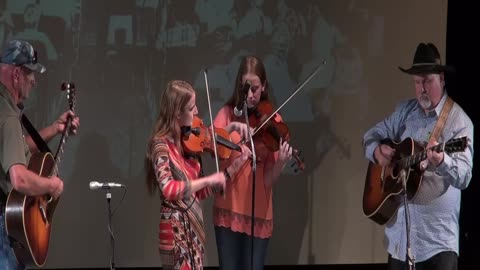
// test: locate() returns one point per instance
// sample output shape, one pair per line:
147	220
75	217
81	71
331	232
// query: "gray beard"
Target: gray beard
425	102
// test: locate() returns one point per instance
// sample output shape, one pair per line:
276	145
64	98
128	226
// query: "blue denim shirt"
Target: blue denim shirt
434	212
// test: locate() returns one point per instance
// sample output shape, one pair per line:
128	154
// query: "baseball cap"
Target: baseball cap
21	53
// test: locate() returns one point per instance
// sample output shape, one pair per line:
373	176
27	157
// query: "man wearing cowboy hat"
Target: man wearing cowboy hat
18	66
433	214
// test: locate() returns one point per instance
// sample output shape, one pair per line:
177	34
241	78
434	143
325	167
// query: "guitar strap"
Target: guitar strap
442	119
41	144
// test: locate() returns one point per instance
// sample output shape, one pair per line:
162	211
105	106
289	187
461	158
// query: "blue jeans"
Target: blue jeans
234	250
7	258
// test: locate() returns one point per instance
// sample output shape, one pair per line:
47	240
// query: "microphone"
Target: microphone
94	185
238	110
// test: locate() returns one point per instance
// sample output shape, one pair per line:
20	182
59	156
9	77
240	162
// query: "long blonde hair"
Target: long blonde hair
174	100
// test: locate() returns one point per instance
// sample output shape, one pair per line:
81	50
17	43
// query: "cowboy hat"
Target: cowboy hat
426	60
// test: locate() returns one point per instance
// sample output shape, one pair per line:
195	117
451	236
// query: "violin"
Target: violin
271	131
197	139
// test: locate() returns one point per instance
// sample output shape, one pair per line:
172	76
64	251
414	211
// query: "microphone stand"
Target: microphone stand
409	260
254	170
112	239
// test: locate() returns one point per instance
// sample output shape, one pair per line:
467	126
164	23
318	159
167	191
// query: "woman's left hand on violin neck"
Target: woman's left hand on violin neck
284	153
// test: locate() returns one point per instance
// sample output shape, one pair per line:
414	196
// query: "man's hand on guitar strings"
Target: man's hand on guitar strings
56	187
383	154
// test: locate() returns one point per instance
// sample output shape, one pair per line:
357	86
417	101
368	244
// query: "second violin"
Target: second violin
271	131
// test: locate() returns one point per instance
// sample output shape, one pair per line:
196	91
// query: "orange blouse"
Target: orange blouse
235	210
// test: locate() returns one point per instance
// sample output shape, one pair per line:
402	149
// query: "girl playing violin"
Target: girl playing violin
232	212
178	180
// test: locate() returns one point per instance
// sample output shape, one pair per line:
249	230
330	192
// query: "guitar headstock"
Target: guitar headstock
455	145
70	88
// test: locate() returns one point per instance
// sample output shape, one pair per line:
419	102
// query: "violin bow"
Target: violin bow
290	97
211	124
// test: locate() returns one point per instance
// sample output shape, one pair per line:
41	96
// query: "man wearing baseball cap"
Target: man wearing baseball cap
18	67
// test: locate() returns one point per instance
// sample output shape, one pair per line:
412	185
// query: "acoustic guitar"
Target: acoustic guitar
28	219
384	186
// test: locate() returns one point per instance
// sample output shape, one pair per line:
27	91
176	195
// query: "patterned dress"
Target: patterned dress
181	231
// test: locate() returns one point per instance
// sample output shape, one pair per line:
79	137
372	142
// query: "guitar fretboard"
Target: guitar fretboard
418	157
66	131
60	150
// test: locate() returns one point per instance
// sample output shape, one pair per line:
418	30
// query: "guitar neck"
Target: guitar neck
60	149
70	88
418	157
